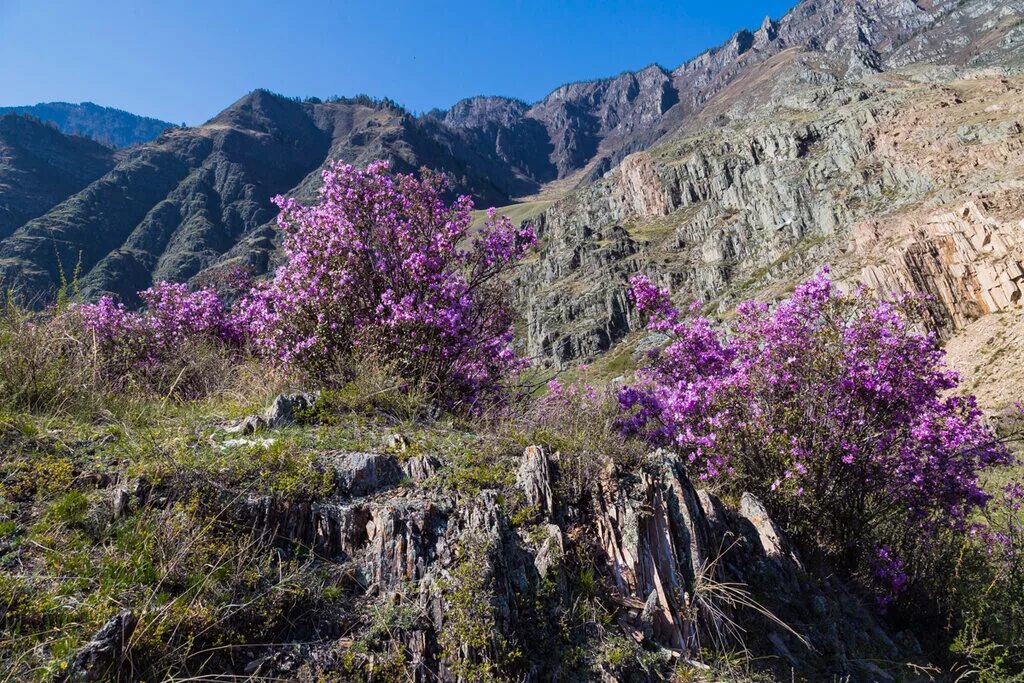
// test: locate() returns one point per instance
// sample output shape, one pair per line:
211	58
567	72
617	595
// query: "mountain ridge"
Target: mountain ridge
195	200
107	125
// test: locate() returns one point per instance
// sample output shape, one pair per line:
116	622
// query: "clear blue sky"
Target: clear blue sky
185	61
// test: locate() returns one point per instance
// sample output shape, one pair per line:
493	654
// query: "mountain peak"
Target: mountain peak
480	111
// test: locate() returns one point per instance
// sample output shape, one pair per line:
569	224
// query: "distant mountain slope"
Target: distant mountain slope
40	167
592	125
104	124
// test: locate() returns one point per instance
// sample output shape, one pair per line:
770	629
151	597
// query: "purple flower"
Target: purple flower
823	399
383	264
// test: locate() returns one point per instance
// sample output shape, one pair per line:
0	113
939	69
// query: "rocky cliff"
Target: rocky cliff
892	179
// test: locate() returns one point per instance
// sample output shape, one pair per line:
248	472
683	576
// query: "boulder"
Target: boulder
284	411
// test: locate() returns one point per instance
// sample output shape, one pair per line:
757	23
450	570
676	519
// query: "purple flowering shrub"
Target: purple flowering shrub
382	265
146	347
829	407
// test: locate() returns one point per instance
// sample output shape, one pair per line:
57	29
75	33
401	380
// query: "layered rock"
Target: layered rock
659	546
706	215
886	180
967	262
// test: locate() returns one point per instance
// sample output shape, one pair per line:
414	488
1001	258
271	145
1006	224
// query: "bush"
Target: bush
180	343
829	407
988	590
383	265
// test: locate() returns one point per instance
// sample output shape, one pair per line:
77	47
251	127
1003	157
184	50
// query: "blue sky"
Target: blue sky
185	61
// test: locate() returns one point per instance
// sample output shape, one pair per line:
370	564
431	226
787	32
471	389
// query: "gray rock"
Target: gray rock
550	550
396	443
649	343
249	425
247	443
121	503
773	542
534	478
361	474
100	659
286	408
284	411
656	539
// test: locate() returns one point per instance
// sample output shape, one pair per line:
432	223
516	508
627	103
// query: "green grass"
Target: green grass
517	213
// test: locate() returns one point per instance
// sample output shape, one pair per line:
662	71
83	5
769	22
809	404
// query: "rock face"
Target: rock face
657	541
667	546
968	262
902	184
657	546
742	205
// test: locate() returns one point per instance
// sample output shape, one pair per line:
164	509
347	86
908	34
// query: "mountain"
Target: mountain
592	125
177	205
880	136
40	167
110	126
883	138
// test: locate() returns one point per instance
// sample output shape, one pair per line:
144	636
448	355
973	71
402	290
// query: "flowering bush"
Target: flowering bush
828	406
136	346
383	265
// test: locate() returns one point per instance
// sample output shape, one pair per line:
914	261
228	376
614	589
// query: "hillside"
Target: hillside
902	177
109	126
40	167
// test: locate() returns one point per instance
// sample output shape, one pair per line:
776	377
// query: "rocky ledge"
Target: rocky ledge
486	578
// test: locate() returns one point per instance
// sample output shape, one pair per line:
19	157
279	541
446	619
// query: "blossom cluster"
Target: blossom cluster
891	572
382	265
829	405
173	315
